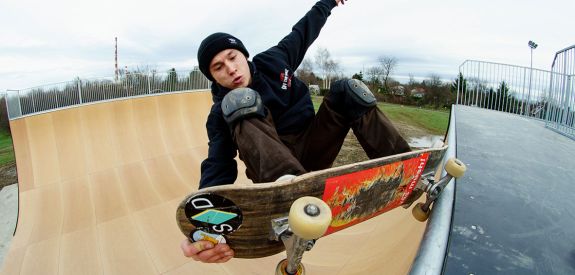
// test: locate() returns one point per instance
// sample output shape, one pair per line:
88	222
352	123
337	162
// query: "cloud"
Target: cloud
60	39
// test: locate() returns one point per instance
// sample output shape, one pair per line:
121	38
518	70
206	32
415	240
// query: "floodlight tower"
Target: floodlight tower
116	60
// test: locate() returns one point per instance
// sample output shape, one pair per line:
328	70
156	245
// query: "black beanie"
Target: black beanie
214	44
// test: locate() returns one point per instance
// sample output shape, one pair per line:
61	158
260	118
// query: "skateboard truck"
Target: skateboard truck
455	169
308	220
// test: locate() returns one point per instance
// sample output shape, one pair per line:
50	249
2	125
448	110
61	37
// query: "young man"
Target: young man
265	113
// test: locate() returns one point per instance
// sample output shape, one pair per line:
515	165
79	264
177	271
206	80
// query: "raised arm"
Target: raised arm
305	32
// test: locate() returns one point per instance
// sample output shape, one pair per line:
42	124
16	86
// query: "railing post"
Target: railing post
148	81
79	85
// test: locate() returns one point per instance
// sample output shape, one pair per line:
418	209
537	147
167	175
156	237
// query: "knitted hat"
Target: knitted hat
214	44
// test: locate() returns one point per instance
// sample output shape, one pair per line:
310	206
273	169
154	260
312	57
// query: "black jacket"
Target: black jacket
285	96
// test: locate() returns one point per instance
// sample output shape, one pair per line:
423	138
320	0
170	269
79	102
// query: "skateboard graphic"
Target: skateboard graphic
259	220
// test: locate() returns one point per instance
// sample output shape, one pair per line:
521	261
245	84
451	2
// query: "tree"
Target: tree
172	80
305	73
4	121
437	93
459	83
332	71
327	66
198	79
458	86
387	65
374	76
358	76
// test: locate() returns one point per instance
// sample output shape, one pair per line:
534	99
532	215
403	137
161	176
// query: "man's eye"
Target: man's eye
233	57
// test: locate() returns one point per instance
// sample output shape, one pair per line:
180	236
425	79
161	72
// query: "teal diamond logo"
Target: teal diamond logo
213	216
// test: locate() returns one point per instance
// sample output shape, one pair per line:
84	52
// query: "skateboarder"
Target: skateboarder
265	113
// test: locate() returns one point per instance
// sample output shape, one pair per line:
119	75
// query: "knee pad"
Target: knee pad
242	103
360	93
351	97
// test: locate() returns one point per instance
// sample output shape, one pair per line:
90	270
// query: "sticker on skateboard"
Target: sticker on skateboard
213	214
200	235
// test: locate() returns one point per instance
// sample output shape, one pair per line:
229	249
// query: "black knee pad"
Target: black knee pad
242	103
351	97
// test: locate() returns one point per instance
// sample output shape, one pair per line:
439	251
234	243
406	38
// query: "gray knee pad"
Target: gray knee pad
241	103
360	93
351	98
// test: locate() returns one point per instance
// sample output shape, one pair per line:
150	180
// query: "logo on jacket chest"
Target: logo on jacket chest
285	78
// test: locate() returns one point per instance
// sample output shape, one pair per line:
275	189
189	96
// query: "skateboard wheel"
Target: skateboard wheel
418	212
455	168
282	266
309	217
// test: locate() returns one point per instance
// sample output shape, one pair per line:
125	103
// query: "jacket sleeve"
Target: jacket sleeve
220	167
304	33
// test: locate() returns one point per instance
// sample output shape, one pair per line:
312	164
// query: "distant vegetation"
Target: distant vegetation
80	91
433	121
6	149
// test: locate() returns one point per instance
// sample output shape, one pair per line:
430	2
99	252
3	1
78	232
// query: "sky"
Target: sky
53	41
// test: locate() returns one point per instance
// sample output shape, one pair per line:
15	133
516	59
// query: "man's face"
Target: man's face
230	69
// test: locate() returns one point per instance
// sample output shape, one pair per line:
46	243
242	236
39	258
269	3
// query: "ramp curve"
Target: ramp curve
99	185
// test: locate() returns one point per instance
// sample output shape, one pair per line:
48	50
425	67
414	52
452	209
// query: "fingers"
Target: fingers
206	252
192	249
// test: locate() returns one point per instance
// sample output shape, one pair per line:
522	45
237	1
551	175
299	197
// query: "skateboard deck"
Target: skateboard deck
241	215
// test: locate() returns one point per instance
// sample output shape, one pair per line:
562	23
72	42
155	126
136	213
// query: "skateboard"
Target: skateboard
257	220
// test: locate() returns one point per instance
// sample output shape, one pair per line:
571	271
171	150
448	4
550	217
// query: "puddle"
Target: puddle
423	142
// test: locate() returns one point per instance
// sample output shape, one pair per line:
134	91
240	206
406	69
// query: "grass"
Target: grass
6	148
434	121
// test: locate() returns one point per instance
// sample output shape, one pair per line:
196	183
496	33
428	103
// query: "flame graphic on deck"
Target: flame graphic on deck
359	196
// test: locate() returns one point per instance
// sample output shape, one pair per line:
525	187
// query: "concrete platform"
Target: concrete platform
514	207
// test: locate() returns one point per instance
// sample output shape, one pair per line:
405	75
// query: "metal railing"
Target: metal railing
502	87
82	91
561	114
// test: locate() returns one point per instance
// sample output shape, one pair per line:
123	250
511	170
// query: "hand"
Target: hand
206	252
337	2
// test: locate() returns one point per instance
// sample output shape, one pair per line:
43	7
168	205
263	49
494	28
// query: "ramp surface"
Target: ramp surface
99	186
514	206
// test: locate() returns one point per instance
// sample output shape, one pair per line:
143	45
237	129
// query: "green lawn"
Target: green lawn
432	120
6	149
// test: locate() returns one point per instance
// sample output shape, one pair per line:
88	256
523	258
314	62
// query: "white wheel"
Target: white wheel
309	218
455	168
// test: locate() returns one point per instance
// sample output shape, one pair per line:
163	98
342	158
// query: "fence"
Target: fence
507	88
561	115
82	91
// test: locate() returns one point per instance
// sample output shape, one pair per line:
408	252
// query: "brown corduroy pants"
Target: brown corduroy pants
268	155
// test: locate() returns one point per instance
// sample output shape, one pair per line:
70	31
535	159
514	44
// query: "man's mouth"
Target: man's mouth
238	80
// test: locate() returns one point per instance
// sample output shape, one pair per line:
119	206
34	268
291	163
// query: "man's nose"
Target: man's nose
231	68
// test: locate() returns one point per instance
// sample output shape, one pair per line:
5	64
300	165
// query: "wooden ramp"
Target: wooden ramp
99	186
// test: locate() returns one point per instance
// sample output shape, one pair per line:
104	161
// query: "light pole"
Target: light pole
533	46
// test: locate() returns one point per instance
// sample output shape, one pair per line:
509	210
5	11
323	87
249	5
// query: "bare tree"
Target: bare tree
305	72
387	64
322	58
374	77
332	70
